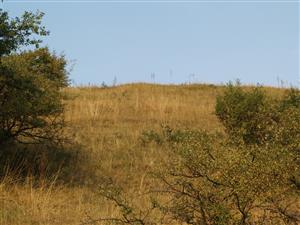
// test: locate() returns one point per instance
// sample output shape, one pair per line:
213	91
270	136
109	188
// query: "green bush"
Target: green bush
246	115
252	117
211	182
290	100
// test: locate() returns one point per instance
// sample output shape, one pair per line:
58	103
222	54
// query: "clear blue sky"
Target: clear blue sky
177	41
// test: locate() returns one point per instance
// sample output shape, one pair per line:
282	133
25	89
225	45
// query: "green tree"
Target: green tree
19	32
31	108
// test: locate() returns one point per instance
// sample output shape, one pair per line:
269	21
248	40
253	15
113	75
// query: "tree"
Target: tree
31	108
19	32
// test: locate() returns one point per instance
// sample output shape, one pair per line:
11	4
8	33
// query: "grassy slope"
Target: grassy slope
108	124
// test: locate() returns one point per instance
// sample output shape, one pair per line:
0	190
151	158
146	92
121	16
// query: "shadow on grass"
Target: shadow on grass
65	164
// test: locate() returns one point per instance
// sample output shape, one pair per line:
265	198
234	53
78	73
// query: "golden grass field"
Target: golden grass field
107	123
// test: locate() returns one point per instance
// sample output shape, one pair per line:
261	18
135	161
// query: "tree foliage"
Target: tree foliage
20	32
31	109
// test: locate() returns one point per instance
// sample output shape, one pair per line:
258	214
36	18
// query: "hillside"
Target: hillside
108	126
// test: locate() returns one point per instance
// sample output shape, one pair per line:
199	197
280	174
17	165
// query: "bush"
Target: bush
253	117
214	183
246	116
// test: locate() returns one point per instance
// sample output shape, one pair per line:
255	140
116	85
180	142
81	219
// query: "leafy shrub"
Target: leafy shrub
253	117
246	115
288	129
290	100
212	182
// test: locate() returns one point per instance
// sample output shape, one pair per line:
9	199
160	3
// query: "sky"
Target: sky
172	41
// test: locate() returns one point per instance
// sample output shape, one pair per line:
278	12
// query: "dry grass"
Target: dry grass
108	122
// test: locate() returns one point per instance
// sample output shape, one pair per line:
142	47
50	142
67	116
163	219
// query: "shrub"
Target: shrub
246	115
290	100
253	117
212	182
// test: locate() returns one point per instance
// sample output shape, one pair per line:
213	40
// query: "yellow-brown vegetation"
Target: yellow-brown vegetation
107	123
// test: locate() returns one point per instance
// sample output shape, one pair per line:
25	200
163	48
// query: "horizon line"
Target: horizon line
152	1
